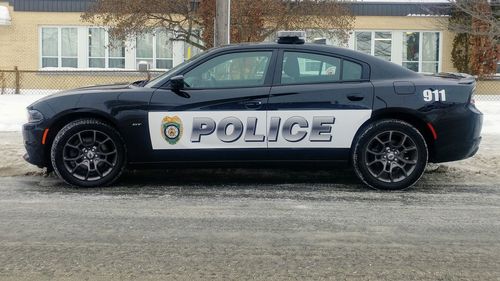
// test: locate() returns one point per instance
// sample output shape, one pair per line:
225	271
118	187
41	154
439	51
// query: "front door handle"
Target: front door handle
355	97
253	104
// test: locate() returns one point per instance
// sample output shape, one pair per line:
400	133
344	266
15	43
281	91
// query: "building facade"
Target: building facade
48	35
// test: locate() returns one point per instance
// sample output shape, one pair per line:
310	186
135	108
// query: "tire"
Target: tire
389	155
88	153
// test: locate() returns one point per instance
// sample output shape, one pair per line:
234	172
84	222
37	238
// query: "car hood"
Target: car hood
73	94
98	88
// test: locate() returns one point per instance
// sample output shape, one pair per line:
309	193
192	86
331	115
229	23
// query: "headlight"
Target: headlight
34	116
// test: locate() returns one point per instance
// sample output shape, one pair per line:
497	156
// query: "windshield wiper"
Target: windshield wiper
140	83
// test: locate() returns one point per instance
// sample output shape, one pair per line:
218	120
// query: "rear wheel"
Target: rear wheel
390	154
88	153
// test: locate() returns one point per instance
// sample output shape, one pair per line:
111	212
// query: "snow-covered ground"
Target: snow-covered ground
13	111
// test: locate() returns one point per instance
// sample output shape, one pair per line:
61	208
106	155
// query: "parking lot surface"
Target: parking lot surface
241	225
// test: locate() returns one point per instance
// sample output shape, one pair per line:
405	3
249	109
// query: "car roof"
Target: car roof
379	68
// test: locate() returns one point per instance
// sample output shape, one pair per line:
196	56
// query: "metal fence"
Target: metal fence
50	81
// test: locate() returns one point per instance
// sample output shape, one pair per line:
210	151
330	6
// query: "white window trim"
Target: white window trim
420	44
373	39
106	57
83	51
59	46
177	49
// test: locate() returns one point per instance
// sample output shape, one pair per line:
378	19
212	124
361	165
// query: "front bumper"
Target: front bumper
458	134
36	152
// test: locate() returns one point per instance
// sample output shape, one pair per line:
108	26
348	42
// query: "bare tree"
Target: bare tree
476	47
133	17
193	20
484	13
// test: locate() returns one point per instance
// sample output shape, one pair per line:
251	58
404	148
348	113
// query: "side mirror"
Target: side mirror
177	83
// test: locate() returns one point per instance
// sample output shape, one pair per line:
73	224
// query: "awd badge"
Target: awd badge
171	129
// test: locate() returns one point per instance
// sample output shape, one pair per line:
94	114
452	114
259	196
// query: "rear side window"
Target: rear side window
306	68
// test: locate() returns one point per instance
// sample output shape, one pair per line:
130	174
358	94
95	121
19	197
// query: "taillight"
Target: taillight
472	95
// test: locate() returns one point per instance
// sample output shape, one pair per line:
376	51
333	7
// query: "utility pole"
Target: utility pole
222	22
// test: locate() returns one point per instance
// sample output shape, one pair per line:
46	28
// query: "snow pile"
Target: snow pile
13	110
491	111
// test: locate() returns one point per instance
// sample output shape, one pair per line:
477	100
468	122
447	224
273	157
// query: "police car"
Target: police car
267	105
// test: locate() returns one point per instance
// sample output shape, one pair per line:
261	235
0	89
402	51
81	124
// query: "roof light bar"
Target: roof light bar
291	37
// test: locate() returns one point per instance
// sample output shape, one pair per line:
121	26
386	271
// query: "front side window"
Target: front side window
248	69
59	47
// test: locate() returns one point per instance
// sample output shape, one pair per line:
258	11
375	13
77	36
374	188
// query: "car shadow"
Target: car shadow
221	179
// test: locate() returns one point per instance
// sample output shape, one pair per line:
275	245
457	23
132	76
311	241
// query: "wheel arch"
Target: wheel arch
64	118
412	117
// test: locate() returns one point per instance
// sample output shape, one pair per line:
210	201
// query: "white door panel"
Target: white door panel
255	129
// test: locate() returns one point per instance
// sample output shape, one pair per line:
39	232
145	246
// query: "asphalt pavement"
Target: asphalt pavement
249	225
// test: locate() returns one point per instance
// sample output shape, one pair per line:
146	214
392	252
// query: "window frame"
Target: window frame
365	68
155	52
59	47
373	39
107	49
83	51
267	80
420	47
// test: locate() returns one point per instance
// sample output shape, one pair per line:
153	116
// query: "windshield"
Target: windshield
159	80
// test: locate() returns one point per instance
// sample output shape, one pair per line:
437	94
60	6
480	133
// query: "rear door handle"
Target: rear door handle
355	97
252	104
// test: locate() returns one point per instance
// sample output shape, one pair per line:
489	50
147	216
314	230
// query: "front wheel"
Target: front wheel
390	155
88	153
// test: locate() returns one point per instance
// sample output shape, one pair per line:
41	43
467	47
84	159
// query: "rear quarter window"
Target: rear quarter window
351	71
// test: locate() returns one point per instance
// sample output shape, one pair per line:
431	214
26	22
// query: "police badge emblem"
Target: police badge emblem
171	129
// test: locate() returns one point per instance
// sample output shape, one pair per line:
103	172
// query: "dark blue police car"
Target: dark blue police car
268	104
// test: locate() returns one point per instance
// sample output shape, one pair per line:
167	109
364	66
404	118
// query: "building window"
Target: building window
93	47
411	43
116	57
430	52
190	50
59	47
105	52
375	43
363	42
382	45
324	37
155	49
97	48
421	51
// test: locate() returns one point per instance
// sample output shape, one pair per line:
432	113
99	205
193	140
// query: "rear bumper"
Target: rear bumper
36	153
458	134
